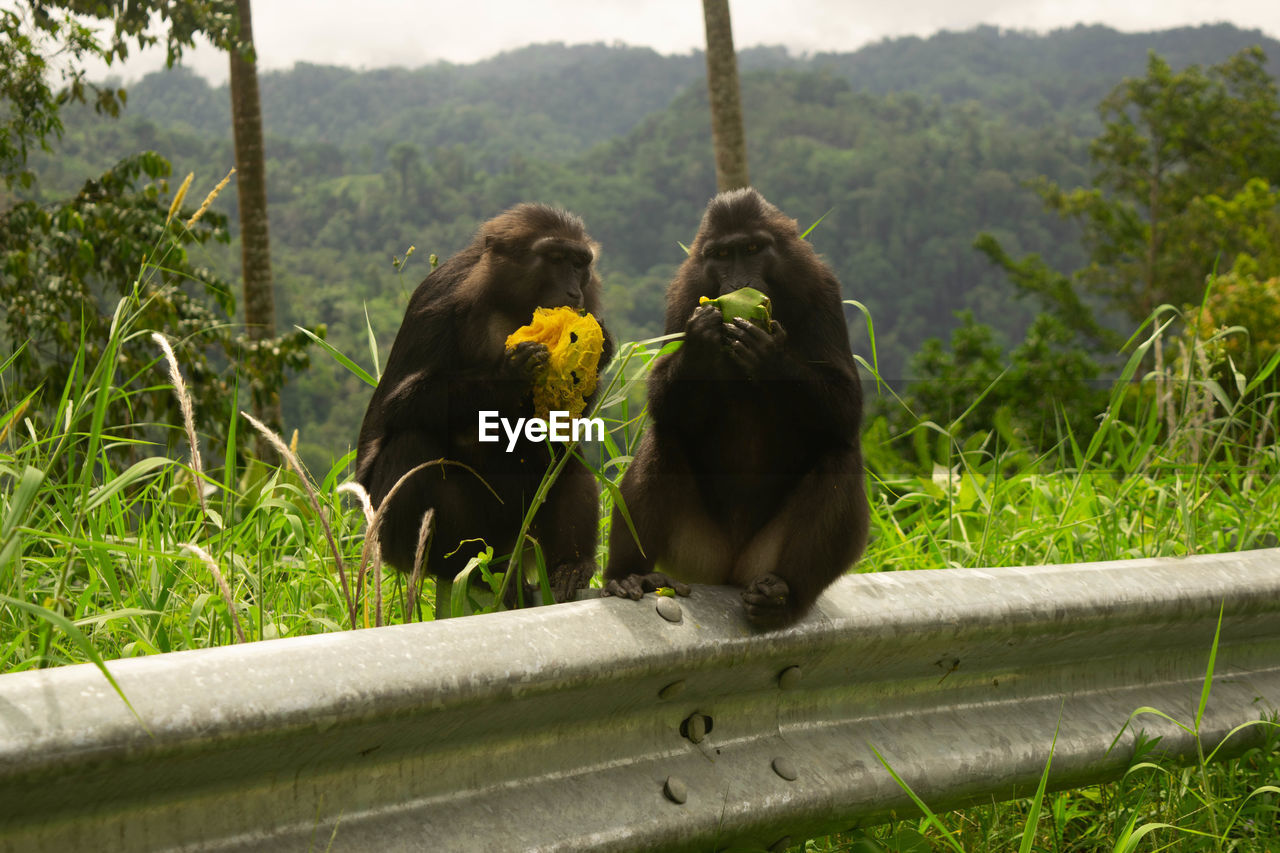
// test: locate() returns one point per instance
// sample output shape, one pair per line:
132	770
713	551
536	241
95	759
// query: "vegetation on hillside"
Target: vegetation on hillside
364	165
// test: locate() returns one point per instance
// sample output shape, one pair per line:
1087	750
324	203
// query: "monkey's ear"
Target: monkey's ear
497	244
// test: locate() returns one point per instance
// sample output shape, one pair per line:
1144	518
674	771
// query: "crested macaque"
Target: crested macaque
750	472
448	363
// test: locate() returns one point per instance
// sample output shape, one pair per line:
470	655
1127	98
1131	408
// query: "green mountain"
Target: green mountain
909	147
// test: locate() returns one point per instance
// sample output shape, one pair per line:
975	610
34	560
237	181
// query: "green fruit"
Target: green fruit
747	303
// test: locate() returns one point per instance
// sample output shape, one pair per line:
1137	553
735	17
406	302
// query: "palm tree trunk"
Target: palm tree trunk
726	103
251	182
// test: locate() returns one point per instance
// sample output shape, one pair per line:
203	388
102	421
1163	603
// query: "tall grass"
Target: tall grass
102	527
1176	466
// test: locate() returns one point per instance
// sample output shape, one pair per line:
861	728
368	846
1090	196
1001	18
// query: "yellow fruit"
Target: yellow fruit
575	342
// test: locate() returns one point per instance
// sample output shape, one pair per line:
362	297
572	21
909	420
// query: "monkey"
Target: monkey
750	472
448	364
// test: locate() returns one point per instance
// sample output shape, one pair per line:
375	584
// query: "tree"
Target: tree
1185	167
64	265
1169	139
251	180
1029	393
406	159
30	117
727	135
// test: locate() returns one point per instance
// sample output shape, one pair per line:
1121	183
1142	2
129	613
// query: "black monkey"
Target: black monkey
751	470
449	363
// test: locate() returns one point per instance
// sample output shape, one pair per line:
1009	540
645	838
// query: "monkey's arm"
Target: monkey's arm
685	387
407	399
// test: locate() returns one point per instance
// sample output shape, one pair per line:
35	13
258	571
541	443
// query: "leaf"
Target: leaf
122	613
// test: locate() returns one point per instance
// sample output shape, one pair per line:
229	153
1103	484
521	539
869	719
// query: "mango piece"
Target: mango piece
745	302
575	342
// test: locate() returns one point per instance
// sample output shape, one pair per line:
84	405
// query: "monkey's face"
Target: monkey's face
735	261
557	273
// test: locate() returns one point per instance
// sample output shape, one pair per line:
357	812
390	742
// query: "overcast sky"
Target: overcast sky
377	33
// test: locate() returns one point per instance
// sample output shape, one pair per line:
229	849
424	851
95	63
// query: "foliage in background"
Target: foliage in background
1169	139
1183	176
1028	395
65	262
1185	170
910	164
37	36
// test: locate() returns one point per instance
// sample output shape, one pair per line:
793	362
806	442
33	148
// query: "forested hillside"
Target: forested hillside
910	147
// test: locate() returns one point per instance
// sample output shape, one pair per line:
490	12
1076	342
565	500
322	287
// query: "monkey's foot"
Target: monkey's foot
635	586
569	577
524	596
768	602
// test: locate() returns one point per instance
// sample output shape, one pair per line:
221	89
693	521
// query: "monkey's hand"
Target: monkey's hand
635	586
706	328
569	577
527	360
754	350
768	600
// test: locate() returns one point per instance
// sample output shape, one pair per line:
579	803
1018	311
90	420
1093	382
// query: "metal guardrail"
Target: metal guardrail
603	724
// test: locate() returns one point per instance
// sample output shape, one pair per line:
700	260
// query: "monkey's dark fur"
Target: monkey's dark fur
751	470
447	364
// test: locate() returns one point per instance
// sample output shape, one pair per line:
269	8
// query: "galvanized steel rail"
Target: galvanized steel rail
616	725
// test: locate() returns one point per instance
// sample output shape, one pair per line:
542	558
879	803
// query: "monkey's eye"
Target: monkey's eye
555	257
722	252
753	248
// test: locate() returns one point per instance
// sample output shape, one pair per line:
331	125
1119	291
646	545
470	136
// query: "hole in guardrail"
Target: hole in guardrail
672	690
789	678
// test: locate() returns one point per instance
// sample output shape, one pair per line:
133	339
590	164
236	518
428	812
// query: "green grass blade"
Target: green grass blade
808	230
544	581
1033	815
1208	673
373	343
339	357
920	804
1262	375
134	473
77	636
871	335
109	615
19	504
